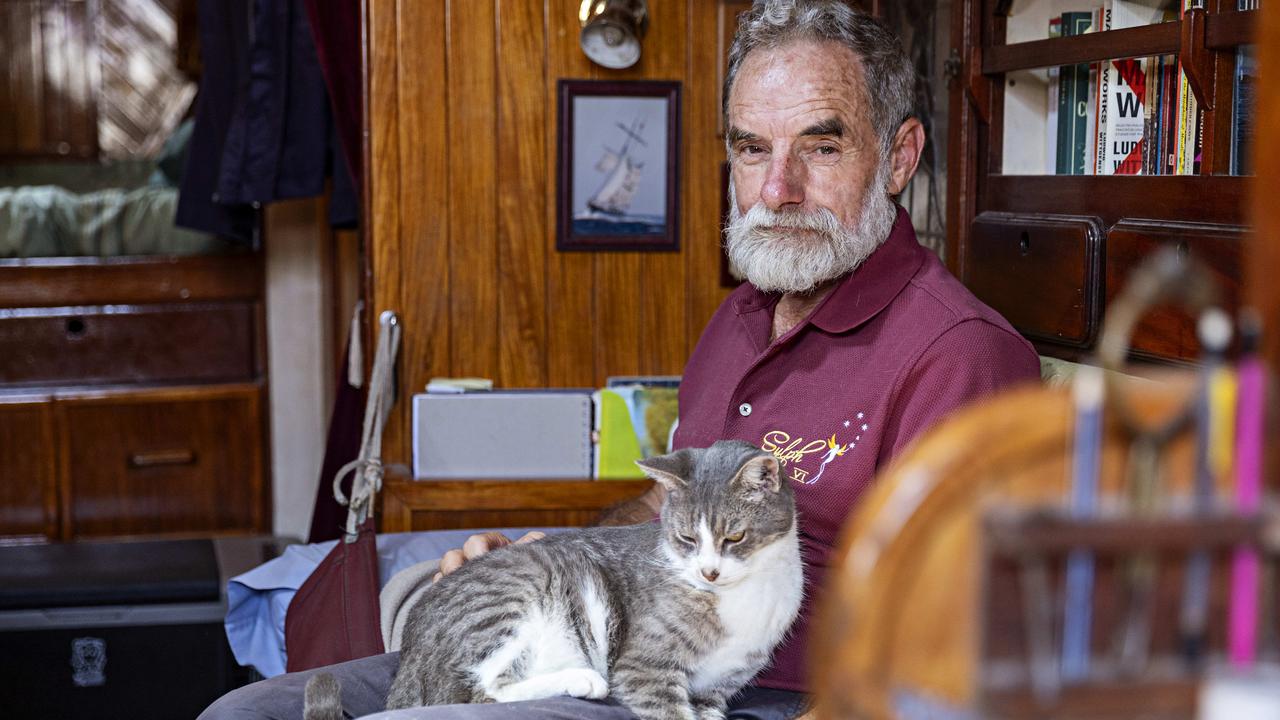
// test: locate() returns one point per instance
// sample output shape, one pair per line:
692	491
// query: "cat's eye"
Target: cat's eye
736	537
686	539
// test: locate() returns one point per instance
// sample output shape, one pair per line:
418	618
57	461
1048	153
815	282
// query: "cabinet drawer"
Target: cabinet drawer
1040	271
188	461
127	343
1167	332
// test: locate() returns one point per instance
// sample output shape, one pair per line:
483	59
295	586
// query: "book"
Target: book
1122	94
1073	103
1246	76
1102	89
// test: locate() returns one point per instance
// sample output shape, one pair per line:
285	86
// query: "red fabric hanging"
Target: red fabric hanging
334	616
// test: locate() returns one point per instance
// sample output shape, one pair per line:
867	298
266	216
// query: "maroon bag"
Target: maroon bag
334	616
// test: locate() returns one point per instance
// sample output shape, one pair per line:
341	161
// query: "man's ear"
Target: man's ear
761	472
904	154
669	470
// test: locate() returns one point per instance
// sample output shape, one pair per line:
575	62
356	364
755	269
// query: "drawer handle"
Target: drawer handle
1024	242
75	327
157	458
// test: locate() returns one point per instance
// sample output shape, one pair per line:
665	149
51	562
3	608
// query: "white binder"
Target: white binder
508	434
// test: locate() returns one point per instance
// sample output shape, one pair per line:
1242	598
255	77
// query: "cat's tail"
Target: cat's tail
322	699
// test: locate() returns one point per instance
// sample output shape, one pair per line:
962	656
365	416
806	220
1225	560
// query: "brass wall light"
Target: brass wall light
612	29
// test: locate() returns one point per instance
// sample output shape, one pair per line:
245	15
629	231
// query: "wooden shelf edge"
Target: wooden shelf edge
62	282
1217	199
509	494
1159	39
1223	31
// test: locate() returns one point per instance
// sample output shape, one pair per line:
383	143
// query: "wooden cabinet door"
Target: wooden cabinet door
28	471
178	462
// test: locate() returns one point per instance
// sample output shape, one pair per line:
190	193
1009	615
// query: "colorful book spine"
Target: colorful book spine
1073	103
1102	100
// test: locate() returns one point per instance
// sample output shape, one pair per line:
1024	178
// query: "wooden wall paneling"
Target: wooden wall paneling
425	233
662	282
704	153
70	53
472	137
522	97
24	59
383	201
572	315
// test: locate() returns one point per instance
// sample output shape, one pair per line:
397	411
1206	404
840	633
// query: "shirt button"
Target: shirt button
744	409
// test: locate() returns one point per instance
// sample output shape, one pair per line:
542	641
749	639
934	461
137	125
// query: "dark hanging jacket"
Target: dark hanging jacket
264	130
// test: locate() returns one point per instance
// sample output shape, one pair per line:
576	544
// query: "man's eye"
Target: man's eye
736	537
752	149
827	150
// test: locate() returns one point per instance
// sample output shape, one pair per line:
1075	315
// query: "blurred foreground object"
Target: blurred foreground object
946	598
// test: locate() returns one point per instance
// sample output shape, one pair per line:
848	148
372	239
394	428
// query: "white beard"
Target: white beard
795	251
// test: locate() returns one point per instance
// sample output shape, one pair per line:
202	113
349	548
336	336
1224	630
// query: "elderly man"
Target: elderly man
848	340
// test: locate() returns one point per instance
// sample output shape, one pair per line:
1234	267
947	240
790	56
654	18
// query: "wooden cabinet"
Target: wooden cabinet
132	398
1051	251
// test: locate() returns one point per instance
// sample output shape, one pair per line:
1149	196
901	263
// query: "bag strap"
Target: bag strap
367	468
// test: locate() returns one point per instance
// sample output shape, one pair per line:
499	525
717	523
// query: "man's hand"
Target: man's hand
478	545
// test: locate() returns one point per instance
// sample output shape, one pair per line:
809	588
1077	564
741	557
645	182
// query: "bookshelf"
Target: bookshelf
1049	251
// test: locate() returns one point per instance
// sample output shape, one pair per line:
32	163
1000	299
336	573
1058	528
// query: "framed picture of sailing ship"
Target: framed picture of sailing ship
618	175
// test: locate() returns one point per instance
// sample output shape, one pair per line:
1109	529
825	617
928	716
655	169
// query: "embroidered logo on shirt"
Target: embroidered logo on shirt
792	452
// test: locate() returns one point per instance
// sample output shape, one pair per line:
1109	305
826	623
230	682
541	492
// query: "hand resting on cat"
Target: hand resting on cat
670	618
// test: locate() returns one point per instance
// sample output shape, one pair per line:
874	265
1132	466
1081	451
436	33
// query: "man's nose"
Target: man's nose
710	574
784	183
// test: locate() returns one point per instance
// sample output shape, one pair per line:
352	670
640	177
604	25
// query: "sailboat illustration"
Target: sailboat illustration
608	209
622	173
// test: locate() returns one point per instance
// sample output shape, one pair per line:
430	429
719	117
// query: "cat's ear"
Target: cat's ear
669	470
761	472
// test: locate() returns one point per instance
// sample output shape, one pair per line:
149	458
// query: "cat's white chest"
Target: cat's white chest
754	615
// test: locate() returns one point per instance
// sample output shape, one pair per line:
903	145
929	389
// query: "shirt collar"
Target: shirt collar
864	292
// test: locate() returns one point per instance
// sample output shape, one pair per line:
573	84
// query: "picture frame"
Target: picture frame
618	165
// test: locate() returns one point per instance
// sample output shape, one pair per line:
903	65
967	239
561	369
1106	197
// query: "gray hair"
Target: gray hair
887	72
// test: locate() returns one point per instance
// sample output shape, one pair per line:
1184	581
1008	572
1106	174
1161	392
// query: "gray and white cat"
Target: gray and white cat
670	619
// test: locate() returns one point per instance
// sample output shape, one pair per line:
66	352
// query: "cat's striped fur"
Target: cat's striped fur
670	619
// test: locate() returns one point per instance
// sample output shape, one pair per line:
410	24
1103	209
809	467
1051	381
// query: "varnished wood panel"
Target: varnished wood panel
183	461
522	225
1168	332
663	286
571	354
129	343
452	504
461	151
383	201
101	281
473	191
50	62
28	474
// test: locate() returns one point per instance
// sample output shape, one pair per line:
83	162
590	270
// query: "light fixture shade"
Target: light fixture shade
611	31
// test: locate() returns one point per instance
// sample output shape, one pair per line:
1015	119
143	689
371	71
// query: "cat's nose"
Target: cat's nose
710	574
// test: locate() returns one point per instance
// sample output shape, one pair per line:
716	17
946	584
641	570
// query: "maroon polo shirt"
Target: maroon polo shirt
897	345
